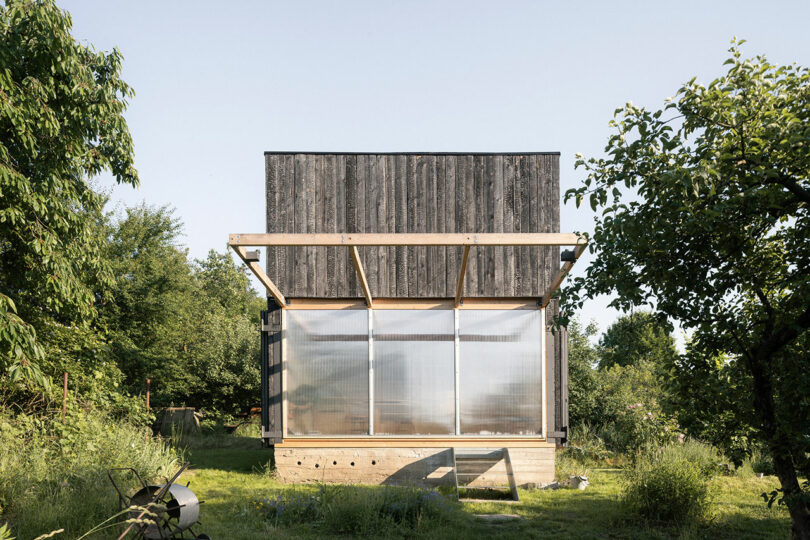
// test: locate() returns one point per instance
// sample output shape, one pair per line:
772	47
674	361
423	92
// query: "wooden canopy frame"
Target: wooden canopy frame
238	242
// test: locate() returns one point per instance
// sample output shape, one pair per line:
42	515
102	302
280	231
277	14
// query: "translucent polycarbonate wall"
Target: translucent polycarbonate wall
327	372
414	375
500	372
414	356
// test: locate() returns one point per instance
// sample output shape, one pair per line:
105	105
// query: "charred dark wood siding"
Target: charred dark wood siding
270	332
313	193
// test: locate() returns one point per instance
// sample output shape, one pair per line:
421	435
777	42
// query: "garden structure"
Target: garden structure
408	336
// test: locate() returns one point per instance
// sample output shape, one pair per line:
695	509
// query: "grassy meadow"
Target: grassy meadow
232	474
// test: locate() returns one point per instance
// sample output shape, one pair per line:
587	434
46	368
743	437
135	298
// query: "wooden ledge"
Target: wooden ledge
405	239
414	442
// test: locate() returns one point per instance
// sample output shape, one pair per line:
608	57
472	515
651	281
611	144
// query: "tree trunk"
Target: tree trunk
778	445
799	510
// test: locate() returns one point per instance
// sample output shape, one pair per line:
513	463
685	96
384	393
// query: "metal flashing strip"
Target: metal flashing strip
411	153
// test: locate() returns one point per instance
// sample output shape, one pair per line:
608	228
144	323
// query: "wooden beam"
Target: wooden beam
415	442
405	239
361	275
460	287
266	281
413	303
555	284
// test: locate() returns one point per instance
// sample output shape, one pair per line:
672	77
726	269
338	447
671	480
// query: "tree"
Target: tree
229	284
621	404
190	326
634	338
152	309
61	121
583	393
705	218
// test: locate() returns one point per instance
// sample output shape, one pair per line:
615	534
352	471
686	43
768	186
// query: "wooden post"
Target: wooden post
147	394
460	286
361	275
64	398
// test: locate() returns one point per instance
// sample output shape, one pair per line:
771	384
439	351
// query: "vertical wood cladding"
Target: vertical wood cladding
365	193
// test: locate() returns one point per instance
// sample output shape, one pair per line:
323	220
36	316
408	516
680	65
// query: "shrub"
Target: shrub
61	469
668	485
629	415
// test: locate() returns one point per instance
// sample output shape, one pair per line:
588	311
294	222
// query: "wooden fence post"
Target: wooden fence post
147	394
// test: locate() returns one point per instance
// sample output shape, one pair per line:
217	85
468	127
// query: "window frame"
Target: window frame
416	304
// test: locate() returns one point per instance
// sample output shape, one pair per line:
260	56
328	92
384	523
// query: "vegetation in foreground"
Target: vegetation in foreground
233	480
53	475
234	476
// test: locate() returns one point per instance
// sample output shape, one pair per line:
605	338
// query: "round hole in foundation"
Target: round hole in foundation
299	463
316	465
352	463
334	463
373	462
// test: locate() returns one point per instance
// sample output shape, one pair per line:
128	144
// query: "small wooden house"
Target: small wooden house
409	316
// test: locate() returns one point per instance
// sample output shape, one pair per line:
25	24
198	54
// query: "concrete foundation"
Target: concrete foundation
427	467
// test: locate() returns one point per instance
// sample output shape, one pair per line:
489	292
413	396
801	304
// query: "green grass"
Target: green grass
230	478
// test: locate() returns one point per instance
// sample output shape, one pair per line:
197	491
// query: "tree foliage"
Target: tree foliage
622	404
634	338
61	122
189	326
706	218
583	387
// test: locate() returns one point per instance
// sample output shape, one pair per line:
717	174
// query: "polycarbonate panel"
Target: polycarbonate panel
500	372
327	372
414	374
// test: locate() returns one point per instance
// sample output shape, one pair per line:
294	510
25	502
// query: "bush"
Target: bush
669	484
360	511
61	469
625	407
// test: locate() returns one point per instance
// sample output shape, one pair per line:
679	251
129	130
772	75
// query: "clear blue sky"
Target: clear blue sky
218	83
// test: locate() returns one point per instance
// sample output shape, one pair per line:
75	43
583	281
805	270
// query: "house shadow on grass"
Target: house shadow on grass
242	458
739	525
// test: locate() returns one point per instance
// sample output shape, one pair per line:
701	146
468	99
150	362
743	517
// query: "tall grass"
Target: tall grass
361	511
586	450
54	475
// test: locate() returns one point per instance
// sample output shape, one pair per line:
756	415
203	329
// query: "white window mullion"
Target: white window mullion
456	362
544	382
370	372
284	373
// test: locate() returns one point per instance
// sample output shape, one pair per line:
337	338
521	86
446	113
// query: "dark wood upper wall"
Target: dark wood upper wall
356	193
